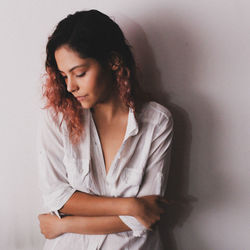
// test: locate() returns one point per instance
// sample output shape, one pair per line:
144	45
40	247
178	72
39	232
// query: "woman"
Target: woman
104	146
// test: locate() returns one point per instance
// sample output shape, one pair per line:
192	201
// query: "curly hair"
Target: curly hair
91	34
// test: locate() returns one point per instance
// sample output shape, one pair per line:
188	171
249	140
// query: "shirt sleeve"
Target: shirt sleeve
52	175
157	169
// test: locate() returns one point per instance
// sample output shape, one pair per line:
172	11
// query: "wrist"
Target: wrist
64	222
133	206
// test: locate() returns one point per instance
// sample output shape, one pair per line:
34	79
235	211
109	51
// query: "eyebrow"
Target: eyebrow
77	66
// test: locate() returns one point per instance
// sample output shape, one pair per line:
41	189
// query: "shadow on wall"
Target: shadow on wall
175	52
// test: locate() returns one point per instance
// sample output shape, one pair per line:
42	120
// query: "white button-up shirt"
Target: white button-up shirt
140	168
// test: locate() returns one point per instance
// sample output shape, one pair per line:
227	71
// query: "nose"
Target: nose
71	85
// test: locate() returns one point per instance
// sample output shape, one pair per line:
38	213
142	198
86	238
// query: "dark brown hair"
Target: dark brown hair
91	34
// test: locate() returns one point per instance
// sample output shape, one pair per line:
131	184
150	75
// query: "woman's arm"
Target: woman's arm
51	226
93	225
147	208
84	204
144	207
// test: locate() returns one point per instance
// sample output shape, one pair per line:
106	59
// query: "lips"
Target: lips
79	98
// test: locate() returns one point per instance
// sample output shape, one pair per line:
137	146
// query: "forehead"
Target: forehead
67	58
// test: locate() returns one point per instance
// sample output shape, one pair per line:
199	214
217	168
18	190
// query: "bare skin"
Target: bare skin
97	214
146	209
111	133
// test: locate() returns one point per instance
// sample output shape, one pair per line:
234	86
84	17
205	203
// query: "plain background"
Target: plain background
195	57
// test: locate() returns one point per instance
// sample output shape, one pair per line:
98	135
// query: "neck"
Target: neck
108	111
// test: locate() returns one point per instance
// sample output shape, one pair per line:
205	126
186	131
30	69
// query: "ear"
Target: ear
114	61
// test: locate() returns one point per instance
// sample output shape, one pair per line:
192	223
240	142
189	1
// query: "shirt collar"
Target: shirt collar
132	126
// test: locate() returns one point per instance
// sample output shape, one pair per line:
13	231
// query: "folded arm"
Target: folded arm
101	214
84	204
94	225
51	226
96	214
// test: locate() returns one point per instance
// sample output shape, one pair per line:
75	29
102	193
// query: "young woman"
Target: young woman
104	145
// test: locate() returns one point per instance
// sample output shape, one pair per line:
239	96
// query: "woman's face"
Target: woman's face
84	77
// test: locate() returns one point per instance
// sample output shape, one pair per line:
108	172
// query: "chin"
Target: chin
86	105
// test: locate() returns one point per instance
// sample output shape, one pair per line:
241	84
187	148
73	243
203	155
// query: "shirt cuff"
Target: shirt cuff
56	202
137	228
59	214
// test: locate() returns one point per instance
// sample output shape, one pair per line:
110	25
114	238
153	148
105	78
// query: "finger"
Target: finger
168	202
163	203
163	206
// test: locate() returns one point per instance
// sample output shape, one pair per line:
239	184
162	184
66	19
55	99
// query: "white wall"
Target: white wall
195	56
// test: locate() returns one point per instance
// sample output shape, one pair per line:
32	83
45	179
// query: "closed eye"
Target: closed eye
81	74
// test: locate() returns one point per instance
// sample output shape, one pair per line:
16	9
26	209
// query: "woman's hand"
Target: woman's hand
50	225
148	209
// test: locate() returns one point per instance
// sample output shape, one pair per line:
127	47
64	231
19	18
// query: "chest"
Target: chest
106	150
111	136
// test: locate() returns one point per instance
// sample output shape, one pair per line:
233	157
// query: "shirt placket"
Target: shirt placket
113	173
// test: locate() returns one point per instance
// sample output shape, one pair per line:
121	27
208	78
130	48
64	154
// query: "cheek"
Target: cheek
97	86
95	83
88	84
94	88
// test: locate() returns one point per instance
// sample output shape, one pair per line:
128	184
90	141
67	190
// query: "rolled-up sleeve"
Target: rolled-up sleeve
52	175
157	169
